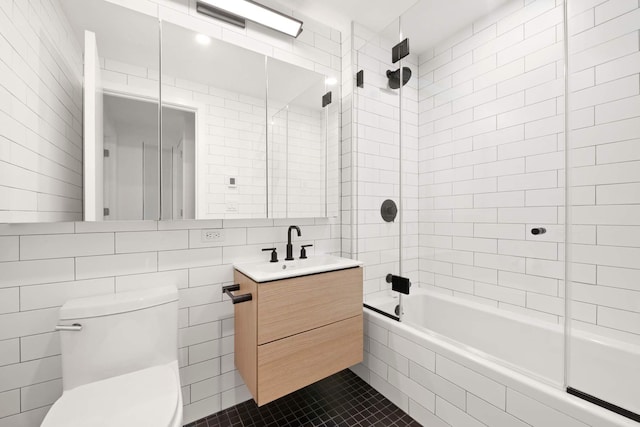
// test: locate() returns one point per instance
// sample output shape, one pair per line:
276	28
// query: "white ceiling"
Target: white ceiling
430	22
425	22
373	14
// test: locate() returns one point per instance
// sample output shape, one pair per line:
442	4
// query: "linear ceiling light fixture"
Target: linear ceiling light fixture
236	11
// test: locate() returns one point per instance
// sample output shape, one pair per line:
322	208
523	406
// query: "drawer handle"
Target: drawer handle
235	298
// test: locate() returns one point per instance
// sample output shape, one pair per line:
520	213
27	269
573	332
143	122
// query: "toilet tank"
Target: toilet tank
121	333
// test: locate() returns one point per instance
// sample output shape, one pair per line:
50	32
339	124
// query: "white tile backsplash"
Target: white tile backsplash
111	265
19	273
65	245
151	241
173	260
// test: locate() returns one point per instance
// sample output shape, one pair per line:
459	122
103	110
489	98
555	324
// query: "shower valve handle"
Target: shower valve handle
399	283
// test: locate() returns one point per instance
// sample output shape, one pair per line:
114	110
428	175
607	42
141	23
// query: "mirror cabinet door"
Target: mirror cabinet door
299	141
332	179
121	161
213	128
277	160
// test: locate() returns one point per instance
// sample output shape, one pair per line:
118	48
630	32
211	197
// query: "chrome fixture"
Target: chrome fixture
76	327
289	245
237	11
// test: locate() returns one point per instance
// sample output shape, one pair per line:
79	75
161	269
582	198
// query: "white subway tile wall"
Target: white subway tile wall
491	167
44	264
483	163
604	55
491	155
40	114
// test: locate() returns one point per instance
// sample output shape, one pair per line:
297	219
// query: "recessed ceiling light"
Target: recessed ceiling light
203	40
252	11
330	81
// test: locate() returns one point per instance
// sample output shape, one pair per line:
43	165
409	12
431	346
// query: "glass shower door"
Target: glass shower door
482	126
376	159
405	76
603	328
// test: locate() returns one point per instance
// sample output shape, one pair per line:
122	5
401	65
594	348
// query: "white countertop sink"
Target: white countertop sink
265	271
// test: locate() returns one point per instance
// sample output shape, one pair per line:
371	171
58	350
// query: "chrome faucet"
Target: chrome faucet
289	245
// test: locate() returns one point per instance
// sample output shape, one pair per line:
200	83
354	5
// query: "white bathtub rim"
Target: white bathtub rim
520	318
555	398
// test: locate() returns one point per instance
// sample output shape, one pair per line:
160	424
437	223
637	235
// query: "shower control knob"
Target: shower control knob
538	230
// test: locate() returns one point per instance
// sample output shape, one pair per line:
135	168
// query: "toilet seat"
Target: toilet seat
149	397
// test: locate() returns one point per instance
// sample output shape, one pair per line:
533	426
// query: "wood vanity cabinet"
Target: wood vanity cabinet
297	331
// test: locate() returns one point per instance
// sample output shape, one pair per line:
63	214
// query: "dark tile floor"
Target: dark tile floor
341	400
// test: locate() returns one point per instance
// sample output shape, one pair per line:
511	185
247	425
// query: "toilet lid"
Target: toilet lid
148	397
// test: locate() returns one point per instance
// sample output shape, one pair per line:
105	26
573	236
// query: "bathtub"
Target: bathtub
515	358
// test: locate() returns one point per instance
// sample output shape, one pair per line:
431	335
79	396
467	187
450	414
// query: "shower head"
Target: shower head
394	77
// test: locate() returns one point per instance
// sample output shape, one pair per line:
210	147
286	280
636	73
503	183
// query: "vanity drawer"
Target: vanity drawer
291	363
291	306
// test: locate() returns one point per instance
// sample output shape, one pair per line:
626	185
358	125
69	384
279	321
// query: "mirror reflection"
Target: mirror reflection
130	164
225	87
120	110
298	148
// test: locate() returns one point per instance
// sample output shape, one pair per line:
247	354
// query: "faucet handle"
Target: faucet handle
303	251
274	254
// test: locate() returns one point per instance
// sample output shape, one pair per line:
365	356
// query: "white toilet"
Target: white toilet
119	361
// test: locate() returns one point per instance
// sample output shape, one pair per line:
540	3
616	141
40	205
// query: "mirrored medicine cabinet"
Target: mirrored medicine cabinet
166	123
